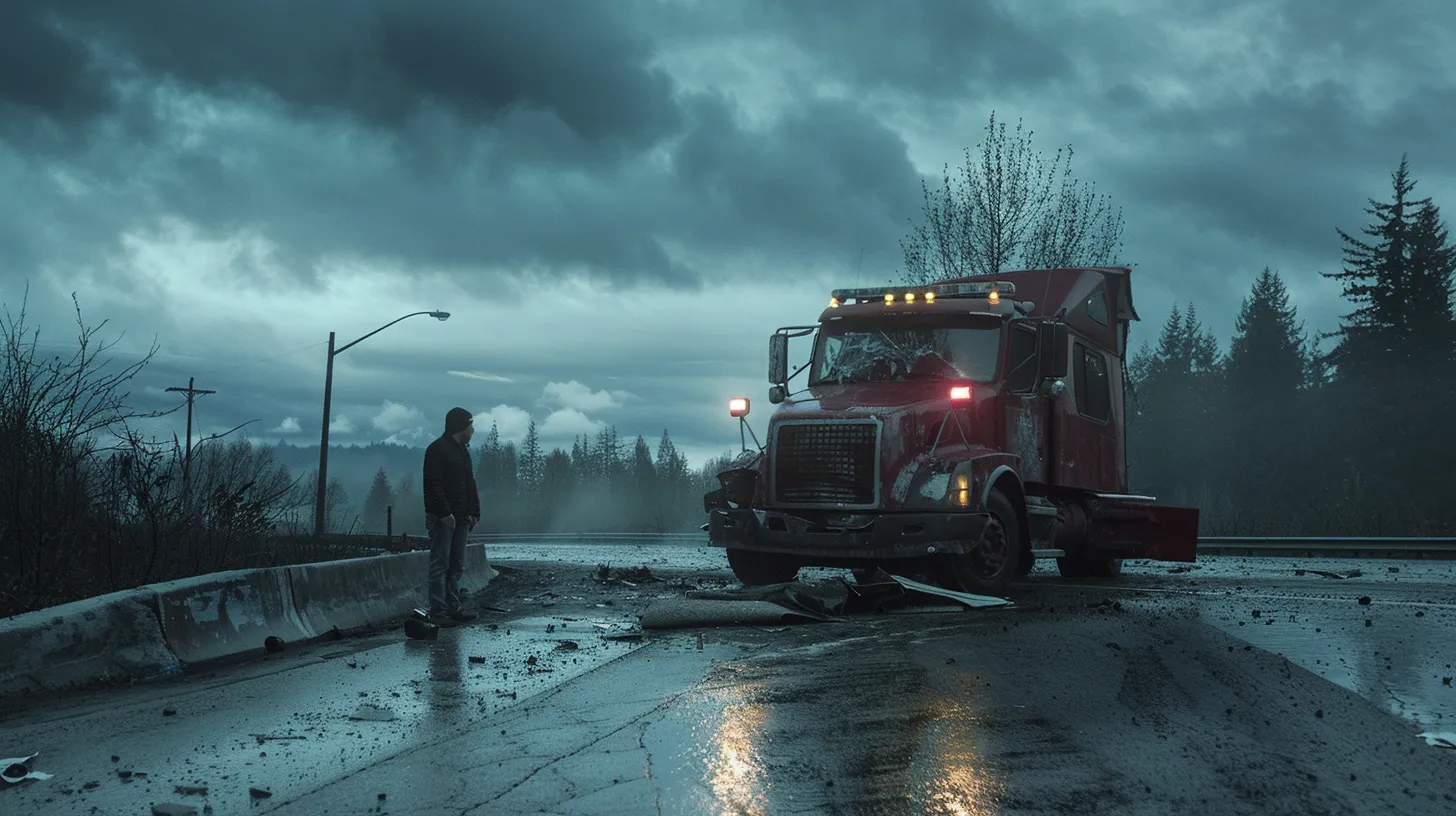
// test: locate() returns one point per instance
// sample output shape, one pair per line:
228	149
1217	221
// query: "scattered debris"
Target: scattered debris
273	644
262	738
567	645
168	712
416	629
373	714
17	770
476	659
632	576
1328	574
190	790
927	610
531	660
259	793
173	809
1445	739
1364	600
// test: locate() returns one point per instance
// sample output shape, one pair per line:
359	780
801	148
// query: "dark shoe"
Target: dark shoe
443	620
463	616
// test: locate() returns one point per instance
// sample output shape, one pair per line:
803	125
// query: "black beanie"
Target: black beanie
456	421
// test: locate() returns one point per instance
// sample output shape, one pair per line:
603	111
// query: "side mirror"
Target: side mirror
777	394
1051	349
778	359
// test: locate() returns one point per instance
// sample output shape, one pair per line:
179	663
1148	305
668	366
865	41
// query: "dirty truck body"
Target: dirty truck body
958	431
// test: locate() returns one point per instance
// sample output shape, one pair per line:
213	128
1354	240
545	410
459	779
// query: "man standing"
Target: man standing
452	509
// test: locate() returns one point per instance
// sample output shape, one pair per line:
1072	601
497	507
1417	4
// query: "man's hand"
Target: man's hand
448	521
472	521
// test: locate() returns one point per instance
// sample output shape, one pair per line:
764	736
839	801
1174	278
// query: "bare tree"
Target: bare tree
1008	208
54	411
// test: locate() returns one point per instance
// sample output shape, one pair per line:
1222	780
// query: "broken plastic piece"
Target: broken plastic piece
17	770
1445	739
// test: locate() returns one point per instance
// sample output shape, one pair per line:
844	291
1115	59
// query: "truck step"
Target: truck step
1049	553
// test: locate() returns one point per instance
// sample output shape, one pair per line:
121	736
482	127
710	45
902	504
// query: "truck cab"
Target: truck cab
956	431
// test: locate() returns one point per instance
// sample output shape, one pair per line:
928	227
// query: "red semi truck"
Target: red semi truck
956	431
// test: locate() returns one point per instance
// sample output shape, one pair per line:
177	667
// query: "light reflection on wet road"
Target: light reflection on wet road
1174	700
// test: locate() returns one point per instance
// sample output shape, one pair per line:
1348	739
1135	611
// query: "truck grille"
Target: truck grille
825	463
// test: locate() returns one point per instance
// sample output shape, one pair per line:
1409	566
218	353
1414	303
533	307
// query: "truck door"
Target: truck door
1085	435
1026	414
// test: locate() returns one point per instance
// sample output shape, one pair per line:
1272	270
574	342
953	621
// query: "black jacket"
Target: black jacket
449	484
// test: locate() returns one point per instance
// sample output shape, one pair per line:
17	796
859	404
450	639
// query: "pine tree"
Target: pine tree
1397	339
376	505
1376	280
1176	386
531	461
1263	401
557	483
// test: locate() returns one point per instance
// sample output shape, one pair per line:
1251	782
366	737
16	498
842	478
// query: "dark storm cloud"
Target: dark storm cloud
934	47
494	137
1272	168
377	61
826	176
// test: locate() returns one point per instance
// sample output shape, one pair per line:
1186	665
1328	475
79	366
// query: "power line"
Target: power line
192	395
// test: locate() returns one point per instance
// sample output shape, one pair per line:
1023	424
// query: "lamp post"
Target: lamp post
323	470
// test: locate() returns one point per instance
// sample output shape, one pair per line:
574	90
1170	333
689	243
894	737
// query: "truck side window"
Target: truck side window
1021	360
1094	397
1097	307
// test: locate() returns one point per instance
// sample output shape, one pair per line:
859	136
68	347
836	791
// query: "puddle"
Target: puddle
1399	662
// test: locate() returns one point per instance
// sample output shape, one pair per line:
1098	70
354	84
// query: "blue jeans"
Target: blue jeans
447	563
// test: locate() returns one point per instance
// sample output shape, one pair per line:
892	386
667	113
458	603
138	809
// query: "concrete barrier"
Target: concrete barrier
365	592
227	615
115	635
359	592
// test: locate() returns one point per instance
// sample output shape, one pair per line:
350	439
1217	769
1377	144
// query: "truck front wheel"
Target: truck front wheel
761	568
991	565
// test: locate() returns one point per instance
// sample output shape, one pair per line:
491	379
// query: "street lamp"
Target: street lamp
323	472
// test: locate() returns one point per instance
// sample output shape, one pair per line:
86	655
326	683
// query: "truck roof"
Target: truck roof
1095	301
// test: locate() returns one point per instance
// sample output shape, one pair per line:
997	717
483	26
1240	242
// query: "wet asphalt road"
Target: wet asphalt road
1238	687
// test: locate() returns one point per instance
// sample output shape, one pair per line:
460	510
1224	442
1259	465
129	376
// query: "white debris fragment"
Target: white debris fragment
973	601
1444	739
17	769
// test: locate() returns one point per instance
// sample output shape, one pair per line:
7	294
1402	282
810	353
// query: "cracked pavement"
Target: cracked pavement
1236	687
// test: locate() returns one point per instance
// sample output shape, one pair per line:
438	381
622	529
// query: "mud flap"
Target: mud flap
1127	528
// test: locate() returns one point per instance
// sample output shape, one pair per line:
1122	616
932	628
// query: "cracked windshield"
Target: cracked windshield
892	352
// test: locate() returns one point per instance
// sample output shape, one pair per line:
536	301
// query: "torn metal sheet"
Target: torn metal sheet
972	601
17	769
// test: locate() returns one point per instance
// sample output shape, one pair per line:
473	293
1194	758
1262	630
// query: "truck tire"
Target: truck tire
990	569
760	568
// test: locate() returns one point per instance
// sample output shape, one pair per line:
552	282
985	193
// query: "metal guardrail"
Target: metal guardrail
1342	546
1308	546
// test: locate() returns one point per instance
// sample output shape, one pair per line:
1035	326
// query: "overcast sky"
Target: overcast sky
619	201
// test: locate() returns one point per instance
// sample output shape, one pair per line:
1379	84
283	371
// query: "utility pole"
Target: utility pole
192	394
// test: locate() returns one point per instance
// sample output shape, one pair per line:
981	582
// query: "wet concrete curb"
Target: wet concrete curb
163	628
